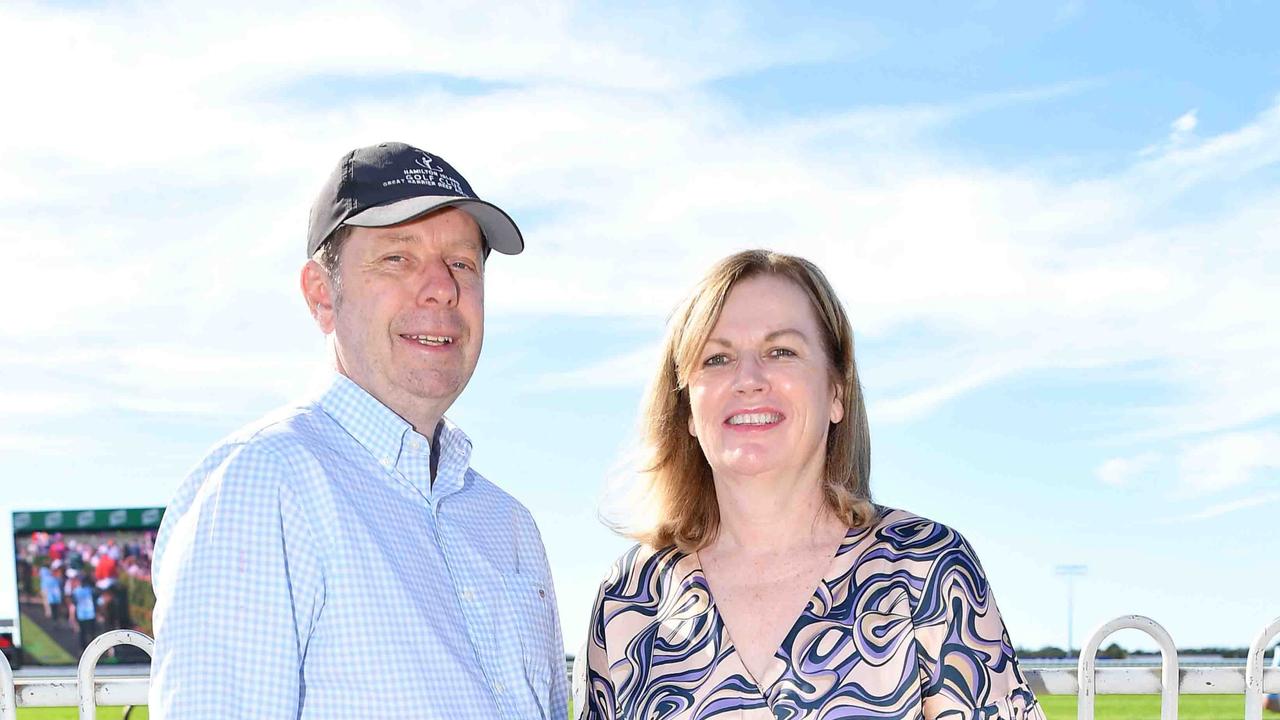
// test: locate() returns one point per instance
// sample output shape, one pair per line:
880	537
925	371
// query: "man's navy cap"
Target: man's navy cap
390	183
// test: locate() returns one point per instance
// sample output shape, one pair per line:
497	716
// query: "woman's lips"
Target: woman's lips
754	419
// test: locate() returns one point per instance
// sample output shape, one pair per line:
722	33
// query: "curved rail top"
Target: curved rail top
1168	664
89	664
1253	670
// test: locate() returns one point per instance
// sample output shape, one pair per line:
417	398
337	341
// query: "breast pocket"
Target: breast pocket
533	614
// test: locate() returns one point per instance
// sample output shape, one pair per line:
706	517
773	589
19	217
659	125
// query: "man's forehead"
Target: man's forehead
409	233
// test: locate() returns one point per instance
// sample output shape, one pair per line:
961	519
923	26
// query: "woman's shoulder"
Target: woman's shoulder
911	536
645	566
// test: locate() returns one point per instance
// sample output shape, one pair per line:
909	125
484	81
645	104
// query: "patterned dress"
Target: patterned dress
903	625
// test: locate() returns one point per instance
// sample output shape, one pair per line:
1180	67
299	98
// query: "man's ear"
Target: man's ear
317	290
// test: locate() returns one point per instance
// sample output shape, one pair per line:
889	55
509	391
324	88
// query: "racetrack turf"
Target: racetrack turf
1147	707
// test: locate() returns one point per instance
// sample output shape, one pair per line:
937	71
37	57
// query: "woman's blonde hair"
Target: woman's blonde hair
678	478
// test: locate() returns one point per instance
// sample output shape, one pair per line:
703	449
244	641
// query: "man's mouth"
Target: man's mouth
430	340
755	418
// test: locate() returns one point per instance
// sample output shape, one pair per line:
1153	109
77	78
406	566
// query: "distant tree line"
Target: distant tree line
1115	652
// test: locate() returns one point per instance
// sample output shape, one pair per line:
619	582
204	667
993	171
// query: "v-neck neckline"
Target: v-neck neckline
776	667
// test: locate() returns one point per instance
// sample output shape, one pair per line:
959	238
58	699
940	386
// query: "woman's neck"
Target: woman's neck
774	514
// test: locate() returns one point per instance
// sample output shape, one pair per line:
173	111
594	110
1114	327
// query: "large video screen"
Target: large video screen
82	573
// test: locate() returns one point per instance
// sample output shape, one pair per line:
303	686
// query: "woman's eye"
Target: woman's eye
714	360
782	352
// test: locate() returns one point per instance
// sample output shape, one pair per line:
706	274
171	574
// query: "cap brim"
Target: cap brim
499	230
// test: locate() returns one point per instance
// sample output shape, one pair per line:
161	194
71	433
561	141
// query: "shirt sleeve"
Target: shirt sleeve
239	585
559	679
967	664
600	702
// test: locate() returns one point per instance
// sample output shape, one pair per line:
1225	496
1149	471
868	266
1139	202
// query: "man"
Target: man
85	610
340	558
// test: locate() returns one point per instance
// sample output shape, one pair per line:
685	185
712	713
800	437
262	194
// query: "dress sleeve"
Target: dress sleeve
967	665
239	586
600	702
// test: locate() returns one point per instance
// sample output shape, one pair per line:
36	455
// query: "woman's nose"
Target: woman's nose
749	375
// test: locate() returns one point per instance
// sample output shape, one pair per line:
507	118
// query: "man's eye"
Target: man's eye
717	359
461	265
394	259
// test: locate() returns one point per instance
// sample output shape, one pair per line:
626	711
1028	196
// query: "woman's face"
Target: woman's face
761	395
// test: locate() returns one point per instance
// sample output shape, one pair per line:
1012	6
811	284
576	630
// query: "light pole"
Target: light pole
1070	572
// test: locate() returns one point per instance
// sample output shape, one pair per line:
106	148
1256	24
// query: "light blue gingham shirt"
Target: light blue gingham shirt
309	568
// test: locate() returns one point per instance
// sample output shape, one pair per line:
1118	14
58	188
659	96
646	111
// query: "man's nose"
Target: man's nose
438	284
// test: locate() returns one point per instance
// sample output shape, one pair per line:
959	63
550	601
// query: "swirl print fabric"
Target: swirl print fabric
902	625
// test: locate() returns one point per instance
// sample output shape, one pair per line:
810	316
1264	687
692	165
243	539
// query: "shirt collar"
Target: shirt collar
392	441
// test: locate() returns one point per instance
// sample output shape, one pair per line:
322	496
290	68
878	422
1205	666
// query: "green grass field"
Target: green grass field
38	644
1147	707
1056	707
104	713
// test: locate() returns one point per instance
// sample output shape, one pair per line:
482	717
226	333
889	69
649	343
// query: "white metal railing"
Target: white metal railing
8	704
84	690
89	665
1254	680
1085	681
1168	664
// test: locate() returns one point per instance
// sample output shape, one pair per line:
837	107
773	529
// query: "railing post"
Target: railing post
8	696
89	664
1253	671
1087	666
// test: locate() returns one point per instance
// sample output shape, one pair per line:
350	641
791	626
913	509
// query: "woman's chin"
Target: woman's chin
748	466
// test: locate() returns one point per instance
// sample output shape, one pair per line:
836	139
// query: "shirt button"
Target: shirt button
542	593
499	688
386	462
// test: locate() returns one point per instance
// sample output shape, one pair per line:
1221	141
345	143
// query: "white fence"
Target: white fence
1086	681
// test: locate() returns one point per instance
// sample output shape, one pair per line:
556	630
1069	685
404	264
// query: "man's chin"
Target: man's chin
437	393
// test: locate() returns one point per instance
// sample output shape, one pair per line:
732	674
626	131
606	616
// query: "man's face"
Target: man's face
409	320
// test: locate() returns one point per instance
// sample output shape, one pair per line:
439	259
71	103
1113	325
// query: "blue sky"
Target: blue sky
1054	226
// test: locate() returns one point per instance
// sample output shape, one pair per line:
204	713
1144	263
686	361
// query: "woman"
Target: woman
769	585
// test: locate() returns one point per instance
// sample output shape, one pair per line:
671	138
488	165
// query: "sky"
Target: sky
1054	226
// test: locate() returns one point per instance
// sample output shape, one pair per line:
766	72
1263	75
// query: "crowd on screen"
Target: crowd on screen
79	579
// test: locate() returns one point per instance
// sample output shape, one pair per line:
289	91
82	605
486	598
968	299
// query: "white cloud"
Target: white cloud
920	402
1227	461
627	370
1125	470
1184	125
1225	508
15	442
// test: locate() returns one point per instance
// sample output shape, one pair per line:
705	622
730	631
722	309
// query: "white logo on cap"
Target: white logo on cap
425	161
